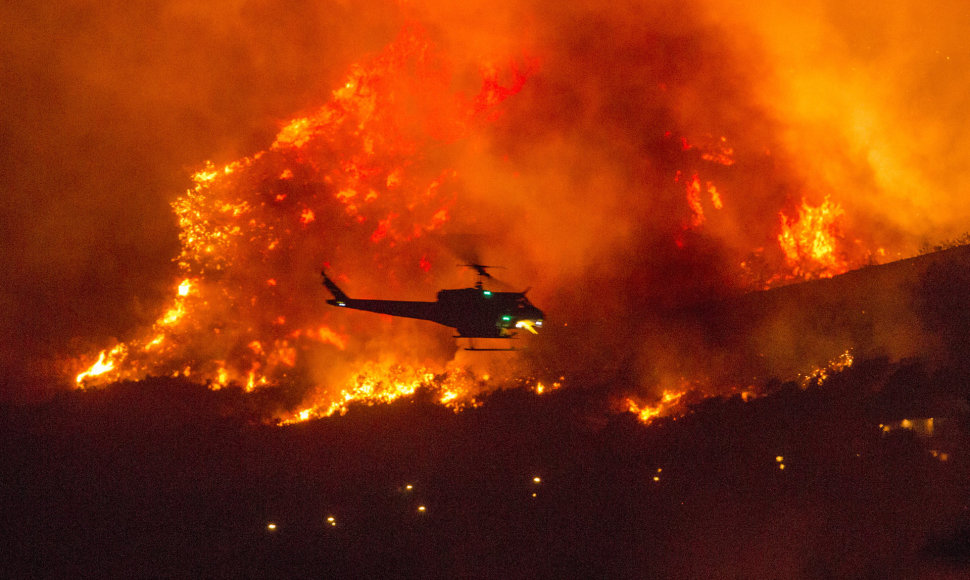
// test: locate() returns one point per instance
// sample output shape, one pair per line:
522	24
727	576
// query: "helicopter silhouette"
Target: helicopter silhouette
474	312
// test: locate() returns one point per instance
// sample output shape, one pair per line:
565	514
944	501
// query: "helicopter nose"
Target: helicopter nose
528	325
531	320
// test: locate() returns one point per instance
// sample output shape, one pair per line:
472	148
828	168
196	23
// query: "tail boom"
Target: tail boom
339	297
405	309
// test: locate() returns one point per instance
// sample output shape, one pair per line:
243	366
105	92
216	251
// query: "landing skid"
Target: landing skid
471	346
510	349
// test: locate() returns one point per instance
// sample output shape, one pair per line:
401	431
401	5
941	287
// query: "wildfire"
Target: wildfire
821	374
672	402
712	151
382	383
541	389
352	173
810	241
377	384
355	176
107	360
647	413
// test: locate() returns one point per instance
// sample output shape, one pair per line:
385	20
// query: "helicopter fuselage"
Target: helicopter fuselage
473	312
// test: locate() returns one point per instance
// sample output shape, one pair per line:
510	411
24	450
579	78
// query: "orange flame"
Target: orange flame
107	361
377	384
672	403
810	241
821	374
663	408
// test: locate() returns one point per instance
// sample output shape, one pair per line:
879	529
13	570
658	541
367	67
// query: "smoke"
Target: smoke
580	183
808	103
872	102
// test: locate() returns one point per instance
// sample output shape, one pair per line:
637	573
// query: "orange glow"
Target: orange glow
693	188
673	404
325	335
718	151
155	342
107	360
380	384
205	175
494	89
173	314
647	413
541	388
715	196
222	377
811	240
295	134
821	374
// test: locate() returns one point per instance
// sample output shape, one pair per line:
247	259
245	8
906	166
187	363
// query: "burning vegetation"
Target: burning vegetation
353	173
379	177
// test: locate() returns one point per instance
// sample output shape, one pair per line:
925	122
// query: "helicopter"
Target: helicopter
474	312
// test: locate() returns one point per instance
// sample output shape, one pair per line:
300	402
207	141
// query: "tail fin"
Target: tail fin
338	294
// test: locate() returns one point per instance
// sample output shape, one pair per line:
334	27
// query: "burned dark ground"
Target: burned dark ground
861	474
164	478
